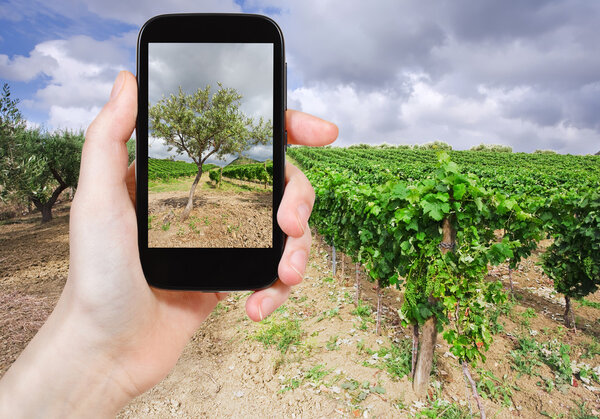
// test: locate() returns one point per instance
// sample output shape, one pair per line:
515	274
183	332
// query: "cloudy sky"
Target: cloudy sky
520	73
247	68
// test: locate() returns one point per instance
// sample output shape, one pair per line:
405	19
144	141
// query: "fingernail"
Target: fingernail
267	306
117	85
298	262
303	214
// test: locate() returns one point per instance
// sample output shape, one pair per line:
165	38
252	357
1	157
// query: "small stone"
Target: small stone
255	357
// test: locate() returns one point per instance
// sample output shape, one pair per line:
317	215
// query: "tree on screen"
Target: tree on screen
202	125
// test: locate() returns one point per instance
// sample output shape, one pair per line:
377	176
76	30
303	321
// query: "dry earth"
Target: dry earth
235	218
329	369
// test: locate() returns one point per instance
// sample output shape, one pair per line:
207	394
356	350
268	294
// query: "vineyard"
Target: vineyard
433	225
164	169
254	172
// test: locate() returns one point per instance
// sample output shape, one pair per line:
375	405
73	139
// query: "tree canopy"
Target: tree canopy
35	166
202	125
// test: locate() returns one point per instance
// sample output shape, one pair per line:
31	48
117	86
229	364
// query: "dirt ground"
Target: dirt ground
220	218
330	369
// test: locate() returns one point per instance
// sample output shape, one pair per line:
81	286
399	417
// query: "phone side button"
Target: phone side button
285	88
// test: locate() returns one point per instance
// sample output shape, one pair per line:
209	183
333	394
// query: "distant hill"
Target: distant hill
243	160
598	153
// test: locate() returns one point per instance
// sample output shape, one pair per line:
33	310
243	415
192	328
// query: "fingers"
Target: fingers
262	303
104	156
297	202
294	259
305	129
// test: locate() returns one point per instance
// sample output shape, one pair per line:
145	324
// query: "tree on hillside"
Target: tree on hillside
201	126
35	166
42	166
11	122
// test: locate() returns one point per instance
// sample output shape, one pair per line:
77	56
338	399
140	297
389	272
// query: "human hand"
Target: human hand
111	336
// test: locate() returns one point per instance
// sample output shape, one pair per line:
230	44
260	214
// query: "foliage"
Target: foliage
433	145
573	259
201	125
256	172
493	148
166	169
40	166
281	333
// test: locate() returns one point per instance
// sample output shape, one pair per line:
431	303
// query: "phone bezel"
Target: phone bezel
210	269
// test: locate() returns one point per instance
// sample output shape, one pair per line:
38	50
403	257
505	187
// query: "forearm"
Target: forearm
60	375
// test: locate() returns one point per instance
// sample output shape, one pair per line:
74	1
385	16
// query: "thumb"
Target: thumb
104	156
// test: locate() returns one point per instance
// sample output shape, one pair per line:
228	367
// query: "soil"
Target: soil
225	371
220	218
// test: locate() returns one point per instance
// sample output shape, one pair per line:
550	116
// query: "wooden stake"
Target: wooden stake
474	389
357	294
378	325
333	262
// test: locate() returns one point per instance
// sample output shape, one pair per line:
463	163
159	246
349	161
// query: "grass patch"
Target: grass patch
280	333
587	303
170	185
395	359
444	410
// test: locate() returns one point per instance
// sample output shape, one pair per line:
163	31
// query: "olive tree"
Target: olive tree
201	125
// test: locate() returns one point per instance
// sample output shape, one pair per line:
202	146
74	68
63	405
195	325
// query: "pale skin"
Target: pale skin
111	337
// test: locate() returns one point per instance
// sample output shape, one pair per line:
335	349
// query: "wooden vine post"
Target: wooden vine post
357	295
220	177
428	337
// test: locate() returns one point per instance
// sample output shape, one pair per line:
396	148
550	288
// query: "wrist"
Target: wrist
61	374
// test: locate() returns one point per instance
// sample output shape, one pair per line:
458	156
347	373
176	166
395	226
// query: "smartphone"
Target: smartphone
210	151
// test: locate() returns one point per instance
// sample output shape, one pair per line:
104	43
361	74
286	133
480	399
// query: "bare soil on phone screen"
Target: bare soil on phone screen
333	364
233	215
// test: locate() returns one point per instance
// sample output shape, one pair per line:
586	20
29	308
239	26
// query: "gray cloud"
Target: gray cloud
248	68
522	73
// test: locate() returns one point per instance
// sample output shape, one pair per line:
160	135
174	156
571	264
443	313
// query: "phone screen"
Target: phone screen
210	151
210	145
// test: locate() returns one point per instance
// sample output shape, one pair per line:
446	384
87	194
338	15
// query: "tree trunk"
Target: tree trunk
474	389
415	350
46	207
378	324
569	315
425	356
190	204
429	331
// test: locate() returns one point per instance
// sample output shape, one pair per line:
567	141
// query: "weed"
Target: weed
590	349
281	333
290	384
328	279
316	373
166	226
363	310
395	359
332	344
529	313
582	412
554	353
491	387
206	221
587	303
444	410
150	219
334	312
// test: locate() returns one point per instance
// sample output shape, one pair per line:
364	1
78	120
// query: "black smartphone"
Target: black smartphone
210	151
